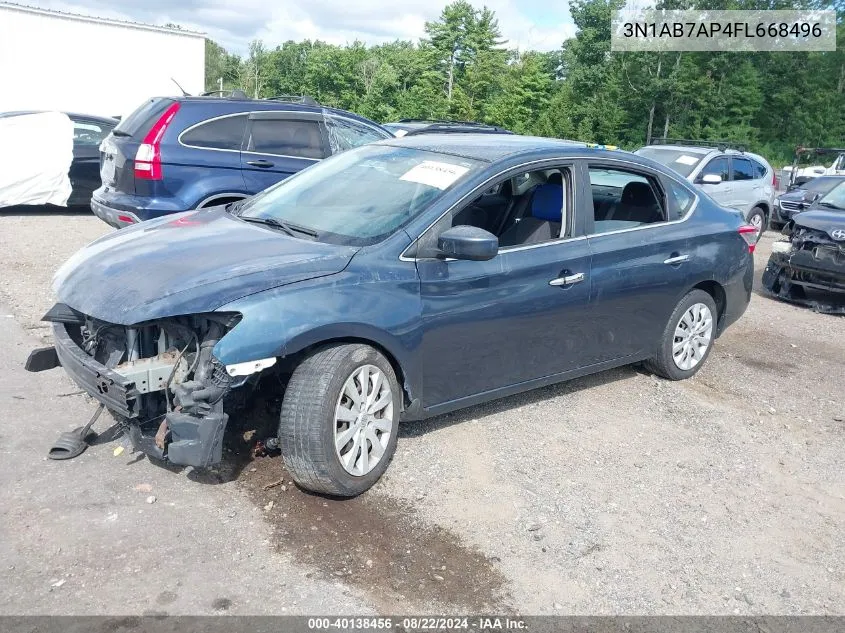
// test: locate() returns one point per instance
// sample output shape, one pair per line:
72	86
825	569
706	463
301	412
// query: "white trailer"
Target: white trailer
50	60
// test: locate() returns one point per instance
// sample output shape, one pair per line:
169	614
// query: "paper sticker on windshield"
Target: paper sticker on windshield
400	133
435	174
686	160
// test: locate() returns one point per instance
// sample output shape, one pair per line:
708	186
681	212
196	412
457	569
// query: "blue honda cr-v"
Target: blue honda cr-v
182	153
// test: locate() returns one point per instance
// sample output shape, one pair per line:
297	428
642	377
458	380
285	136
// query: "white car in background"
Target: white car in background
734	178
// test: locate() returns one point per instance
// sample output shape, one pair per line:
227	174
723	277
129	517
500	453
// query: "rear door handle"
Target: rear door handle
260	163
676	259
567	280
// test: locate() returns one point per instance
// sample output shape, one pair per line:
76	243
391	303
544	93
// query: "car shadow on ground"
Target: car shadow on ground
40	209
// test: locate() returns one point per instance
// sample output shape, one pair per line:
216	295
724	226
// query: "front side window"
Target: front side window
529	208
345	134
286	137
717	167
743	169
361	196
225	133
624	199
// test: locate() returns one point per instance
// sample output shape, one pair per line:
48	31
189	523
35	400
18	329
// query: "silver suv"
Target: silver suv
734	178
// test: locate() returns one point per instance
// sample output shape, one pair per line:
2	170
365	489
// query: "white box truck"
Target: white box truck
50	60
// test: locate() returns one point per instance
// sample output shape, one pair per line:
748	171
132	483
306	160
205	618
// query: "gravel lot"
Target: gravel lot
615	493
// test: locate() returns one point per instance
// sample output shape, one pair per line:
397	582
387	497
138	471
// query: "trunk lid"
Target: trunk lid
117	151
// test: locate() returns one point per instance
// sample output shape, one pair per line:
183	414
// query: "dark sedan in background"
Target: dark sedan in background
800	198
88	132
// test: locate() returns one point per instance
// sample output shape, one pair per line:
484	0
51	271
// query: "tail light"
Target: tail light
148	156
749	234
775	182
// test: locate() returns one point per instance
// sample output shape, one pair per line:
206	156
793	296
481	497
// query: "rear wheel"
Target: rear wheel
757	219
687	339
339	419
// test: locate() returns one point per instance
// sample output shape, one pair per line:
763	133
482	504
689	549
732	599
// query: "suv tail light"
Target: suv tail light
148	156
775	182
749	234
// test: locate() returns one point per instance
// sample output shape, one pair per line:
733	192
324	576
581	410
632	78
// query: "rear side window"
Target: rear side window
345	134
623	200
680	199
743	169
143	117
286	137
225	133
759	169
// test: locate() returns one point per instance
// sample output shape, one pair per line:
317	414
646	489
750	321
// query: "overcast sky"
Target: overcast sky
526	24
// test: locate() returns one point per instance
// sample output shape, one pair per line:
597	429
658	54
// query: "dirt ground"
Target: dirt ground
618	493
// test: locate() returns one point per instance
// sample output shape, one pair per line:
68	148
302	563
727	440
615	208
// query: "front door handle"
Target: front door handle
260	163
567	280
676	259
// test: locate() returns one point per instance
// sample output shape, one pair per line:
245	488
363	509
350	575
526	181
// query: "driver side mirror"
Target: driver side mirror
710	179
468	242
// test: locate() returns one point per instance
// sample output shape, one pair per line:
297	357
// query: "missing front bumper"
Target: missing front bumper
800	278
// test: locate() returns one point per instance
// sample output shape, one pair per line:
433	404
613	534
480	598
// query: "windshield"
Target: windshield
821	185
360	196
834	199
682	161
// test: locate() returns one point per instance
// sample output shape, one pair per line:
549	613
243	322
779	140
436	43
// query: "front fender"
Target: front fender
384	309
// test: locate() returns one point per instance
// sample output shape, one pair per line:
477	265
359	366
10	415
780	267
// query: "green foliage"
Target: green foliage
462	70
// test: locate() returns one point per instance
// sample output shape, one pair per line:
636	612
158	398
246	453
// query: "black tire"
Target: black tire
662	363
755	212
307	421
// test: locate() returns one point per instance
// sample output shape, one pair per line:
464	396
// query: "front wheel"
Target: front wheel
339	419
687	339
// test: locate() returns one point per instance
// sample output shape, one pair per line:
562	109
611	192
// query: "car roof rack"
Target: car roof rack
226	94
455	126
818	150
303	99
720	145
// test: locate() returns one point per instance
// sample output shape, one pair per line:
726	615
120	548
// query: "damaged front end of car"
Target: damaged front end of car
808	268
159	378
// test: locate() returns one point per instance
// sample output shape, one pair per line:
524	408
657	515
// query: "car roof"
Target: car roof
270	104
704	151
684	148
487	147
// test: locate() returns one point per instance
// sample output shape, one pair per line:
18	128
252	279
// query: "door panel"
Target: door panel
634	291
638	269
498	323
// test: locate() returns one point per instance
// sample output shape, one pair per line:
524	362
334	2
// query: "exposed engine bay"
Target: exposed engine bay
159	378
808	268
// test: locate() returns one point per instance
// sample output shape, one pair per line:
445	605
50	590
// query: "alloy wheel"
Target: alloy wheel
364	420
693	336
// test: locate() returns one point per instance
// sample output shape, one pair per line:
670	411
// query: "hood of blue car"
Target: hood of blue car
830	221
187	264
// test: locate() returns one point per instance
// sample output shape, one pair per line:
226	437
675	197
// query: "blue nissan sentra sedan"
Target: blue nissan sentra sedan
396	281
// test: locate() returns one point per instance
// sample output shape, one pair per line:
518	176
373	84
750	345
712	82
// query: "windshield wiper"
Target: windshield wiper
284	227
830	205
